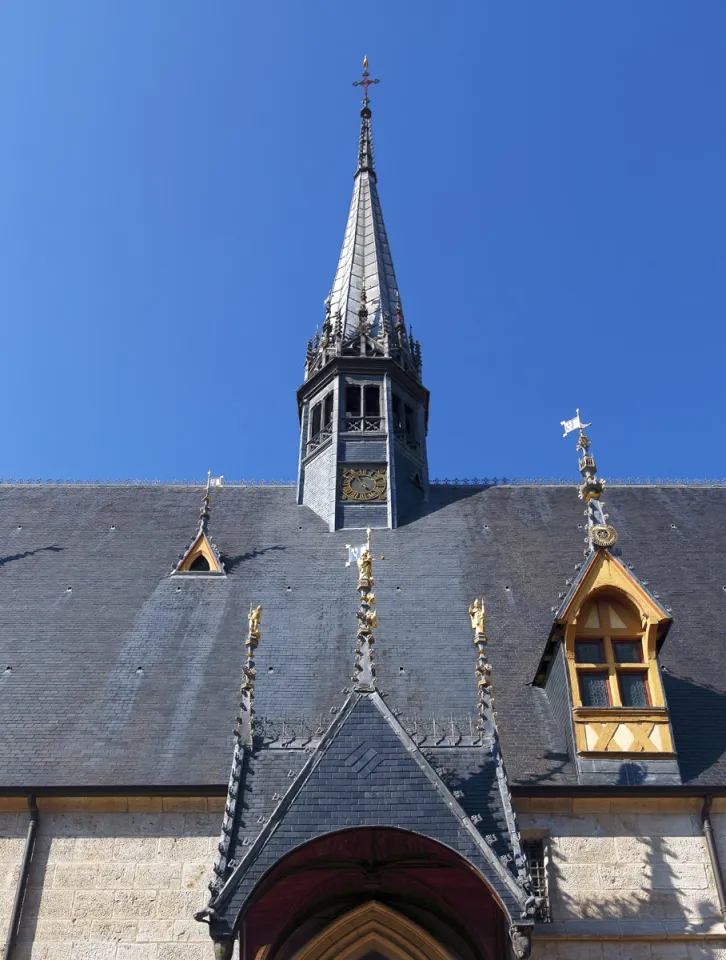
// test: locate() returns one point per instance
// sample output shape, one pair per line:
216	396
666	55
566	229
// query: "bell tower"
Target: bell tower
363	408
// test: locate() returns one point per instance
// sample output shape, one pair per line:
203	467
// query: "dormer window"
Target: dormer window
611	629
200	565
609	658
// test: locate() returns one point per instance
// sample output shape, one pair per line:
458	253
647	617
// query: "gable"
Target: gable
369	773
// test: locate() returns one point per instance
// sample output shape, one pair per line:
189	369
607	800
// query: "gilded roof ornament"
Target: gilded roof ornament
599	532
364	673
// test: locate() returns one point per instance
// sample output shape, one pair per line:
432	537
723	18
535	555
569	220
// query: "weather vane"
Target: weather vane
365	82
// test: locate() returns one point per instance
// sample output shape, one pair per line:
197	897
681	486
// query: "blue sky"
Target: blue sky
174	185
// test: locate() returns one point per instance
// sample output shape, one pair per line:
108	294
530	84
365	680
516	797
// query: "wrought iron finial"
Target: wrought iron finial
364	674
204	512
599	531
365	82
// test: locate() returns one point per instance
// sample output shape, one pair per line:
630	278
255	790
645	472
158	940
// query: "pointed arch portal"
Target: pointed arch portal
373	892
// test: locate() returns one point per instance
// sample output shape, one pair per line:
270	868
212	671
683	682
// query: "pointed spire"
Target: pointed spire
364	674
599	531
365	290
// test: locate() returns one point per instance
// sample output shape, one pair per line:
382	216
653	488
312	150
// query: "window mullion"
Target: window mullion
612	673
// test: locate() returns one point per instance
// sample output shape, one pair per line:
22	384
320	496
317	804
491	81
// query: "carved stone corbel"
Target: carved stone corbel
521	938
223	947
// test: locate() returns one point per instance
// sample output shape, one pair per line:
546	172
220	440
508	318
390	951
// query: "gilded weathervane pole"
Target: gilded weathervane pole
599	531
364	673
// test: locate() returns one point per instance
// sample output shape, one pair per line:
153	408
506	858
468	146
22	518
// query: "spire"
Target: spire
204	512
599	531
365	281
364	674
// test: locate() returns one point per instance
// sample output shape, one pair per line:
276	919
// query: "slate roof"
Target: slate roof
113	673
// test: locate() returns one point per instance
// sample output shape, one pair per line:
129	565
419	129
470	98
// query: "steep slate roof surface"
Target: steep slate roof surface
113	673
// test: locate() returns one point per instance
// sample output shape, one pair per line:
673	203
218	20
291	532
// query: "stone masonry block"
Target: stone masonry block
188	930
161	876
93	848
137	849
680	876
115	876
583	850
92	950
579	950
110	930
134	904
11	849
195	874
629	950
183	951
136	951
175	905
184	804
154	931
144	804
63	930
624	876
93	904
47	902
574	876
76	875
27	950
181	849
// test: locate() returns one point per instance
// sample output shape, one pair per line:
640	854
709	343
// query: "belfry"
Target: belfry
363	406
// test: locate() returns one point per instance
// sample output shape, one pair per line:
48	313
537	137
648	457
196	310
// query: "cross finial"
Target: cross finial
365	82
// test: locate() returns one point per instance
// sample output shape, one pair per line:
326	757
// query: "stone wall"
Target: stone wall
628	879
120	878
111	879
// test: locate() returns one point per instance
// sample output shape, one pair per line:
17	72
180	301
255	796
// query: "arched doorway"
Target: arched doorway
404	895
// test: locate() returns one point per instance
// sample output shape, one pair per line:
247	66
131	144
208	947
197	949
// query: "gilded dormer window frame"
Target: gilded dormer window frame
616	730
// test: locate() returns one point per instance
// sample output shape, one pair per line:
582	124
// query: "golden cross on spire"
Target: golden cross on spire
365	82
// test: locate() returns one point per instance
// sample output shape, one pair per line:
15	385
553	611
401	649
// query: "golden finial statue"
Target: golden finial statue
364	674
253	618
477	612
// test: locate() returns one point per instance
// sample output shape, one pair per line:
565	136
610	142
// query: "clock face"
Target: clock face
364	485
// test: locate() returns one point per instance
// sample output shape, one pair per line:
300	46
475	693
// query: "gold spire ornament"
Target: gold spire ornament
600	533
249	672
364	673
478	616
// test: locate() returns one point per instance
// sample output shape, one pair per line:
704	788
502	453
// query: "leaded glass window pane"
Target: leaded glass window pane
633	690
594	690
628	651
589	651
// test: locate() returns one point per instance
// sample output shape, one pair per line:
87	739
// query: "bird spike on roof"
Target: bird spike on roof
599	531
364	673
